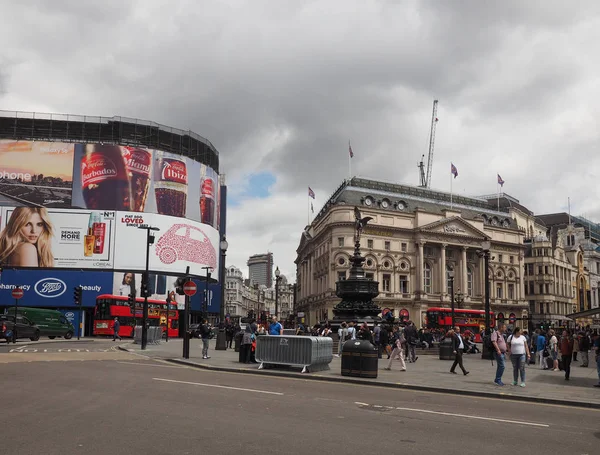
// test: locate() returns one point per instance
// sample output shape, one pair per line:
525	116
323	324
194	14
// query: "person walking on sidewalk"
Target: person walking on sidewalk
412	338
205	334
399	342
500	345
597	354
553	344
541	350
275	328
566	351
116	327
458	347
519	354
584	347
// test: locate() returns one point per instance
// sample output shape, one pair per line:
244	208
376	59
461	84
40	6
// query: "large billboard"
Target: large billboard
77	206
178	243
36	173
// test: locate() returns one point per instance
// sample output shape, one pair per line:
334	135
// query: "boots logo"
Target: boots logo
50	288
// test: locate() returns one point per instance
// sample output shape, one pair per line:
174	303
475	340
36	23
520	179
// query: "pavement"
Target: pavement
427	374
152	407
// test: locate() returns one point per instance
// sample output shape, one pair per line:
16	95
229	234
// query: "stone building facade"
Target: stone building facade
417	236
241	296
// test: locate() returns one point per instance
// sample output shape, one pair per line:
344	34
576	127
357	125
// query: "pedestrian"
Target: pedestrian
275	328
566	352
575	348
247	338
410	333
205	335
597	353
458	347
553	344
384	340
500	345
116	327
229	334
376	334
364	333
398	351
352	329
519	354
584	347
343	336
541	351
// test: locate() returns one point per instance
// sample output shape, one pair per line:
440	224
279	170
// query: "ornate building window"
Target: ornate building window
386	282
470	282
448	279
403	284
427	278
511	291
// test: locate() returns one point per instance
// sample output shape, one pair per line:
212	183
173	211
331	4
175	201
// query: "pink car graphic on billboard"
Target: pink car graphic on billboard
183	242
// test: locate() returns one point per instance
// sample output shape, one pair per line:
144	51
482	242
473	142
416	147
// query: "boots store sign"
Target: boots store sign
54	289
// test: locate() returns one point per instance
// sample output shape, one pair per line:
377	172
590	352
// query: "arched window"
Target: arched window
427	278
470	282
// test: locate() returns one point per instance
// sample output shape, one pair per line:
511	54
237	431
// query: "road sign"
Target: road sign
189	288
17	293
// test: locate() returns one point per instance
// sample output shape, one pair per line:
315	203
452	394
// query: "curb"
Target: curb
345	380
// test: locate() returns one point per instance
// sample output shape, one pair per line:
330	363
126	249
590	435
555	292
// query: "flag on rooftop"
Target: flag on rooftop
311	193
453	170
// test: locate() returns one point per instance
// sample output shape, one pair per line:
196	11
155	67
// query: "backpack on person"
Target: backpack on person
488	342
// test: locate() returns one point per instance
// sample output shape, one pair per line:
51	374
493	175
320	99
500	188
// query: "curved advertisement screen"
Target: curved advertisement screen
79	206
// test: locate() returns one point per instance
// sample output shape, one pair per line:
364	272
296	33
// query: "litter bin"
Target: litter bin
446	352
238	340
359	359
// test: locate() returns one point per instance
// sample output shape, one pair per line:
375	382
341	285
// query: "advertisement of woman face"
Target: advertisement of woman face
26	241
127	285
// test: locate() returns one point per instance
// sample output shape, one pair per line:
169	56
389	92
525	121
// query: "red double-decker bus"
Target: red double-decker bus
473	320
110	306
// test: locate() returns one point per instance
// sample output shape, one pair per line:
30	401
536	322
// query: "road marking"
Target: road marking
219	386
150	365
450	414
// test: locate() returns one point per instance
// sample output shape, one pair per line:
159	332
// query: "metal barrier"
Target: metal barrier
309	353
155	334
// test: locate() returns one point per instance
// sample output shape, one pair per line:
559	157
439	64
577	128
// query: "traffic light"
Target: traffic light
77	295
131	300
144	290
179	285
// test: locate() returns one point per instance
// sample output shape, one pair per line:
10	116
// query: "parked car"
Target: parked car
24	328
51	323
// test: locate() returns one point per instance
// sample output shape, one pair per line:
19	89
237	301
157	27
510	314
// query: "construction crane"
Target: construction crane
426	178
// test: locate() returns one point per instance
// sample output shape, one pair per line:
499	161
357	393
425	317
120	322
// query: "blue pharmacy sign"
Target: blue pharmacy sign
52	288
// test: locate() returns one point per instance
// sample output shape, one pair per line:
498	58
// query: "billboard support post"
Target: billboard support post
186	314
17	293
145	289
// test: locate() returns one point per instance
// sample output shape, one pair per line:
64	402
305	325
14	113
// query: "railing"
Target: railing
308	353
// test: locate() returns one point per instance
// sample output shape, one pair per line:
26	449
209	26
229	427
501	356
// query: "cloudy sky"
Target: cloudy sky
280	87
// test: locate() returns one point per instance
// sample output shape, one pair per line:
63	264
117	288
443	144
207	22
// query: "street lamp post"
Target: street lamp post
485	253
451	276
145	280
277	280
221	335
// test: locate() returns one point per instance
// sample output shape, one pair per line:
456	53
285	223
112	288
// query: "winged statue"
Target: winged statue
360	223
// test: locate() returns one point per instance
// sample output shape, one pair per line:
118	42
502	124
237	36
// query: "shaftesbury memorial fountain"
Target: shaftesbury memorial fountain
357	291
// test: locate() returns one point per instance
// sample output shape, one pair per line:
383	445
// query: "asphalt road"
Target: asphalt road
134	405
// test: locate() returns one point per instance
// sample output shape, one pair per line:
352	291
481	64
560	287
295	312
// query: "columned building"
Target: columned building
234	288
417	236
